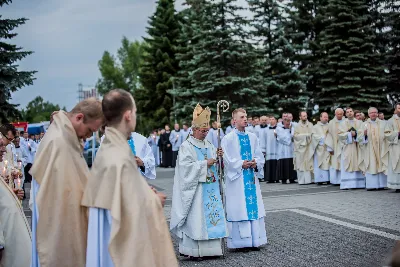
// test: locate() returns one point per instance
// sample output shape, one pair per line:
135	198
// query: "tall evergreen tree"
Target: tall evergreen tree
351	71
159	66
393	53
306	20
284	84
222	61
190	24
11	79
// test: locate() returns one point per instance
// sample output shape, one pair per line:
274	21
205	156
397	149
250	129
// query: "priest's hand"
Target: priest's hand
246	164
162	197
253	164
19	193
353	133
139	162
220	152
211	162
365	132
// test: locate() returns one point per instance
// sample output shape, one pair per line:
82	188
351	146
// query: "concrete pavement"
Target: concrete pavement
310	225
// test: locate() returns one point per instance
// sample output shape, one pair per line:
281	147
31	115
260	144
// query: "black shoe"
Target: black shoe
397	191
255	249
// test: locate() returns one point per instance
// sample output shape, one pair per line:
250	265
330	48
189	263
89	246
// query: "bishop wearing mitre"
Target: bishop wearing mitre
334	146
373	147
303	149
392	157
127	226
350	133
322	156
197	215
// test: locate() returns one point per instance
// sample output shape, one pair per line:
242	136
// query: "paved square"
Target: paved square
310	225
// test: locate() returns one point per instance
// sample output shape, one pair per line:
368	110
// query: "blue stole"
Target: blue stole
250	191
212	204
132	145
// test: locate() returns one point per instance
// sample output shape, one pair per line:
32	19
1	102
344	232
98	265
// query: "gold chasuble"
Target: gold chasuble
62	172
15	233
139	233
351	152
374	151
332	141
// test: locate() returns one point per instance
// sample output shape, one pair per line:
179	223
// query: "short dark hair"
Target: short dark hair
356	111
5	128
380	112
21	132
114	105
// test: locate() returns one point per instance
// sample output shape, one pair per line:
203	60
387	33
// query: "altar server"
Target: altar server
243	159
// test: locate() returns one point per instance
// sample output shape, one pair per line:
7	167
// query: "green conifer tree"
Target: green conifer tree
221	61
284	84
11	79
351	70
159	66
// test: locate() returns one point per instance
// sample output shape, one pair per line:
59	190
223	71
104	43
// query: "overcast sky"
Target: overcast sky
68	38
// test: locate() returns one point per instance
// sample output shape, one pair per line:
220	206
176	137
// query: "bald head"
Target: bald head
115	103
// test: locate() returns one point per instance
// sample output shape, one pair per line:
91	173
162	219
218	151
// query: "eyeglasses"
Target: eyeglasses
204	131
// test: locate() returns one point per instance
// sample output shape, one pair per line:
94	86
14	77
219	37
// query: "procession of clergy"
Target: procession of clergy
110	216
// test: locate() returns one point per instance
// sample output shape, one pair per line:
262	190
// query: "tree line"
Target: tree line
312	55
268	57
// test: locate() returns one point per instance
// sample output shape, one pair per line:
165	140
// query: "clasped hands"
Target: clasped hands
249	164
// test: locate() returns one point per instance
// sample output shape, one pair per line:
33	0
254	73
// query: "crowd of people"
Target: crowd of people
110	216
348	150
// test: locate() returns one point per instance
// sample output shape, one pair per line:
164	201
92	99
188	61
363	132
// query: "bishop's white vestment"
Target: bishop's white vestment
197	214
244	204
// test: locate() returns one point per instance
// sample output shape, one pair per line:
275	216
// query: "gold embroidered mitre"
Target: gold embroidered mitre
201	117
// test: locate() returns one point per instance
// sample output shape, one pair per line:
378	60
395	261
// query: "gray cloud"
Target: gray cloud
69	37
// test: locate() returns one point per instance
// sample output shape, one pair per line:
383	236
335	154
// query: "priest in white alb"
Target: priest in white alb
334	146
127	226
350	134
373	146
243	159
143	153
197	214
392	161
269	147
303	149
322	156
